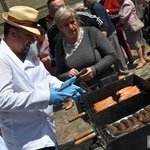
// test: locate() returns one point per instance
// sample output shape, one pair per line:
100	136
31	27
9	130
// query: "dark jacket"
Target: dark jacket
98	10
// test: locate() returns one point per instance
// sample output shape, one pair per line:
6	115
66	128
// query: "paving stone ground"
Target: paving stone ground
67	131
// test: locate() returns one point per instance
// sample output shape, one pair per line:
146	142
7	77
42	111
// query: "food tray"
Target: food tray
118	121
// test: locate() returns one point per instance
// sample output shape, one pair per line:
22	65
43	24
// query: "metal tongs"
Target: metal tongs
83	71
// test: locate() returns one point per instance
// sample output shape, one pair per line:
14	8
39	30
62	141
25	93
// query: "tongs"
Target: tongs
83	71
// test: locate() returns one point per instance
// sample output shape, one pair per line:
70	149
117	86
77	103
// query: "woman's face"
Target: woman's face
70	28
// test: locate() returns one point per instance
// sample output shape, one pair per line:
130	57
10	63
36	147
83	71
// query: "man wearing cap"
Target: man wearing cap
27	90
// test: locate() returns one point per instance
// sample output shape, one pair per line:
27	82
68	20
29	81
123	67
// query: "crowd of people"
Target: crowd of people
92	13
35	63
113	29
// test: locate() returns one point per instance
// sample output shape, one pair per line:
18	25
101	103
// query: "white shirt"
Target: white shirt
2	144
33	47
26	119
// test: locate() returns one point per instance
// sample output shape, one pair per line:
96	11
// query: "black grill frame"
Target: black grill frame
137	102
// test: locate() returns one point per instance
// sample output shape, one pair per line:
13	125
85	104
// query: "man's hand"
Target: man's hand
68	89
73	72
88	75
75	91
57	98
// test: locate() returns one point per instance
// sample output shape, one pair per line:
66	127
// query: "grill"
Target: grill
136	140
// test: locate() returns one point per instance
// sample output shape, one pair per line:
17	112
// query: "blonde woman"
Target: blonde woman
81	47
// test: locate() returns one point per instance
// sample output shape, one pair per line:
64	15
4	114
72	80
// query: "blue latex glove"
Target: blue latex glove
75	91
70	81
56	98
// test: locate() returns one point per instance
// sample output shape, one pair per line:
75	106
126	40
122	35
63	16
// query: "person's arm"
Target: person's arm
14	99
87	19
106	51
99	11
125	12
61	71
44	50
18	91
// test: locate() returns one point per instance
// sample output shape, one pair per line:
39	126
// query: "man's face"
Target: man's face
54	5
23	41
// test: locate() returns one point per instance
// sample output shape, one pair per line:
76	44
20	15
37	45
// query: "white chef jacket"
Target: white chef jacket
26	119
2	144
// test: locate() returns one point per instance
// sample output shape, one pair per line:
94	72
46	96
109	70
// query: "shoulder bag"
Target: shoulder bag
137	25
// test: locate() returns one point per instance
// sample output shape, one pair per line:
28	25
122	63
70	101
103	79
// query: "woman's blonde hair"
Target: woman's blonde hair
63	13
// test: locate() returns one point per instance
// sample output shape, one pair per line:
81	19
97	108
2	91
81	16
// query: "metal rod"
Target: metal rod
63	87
